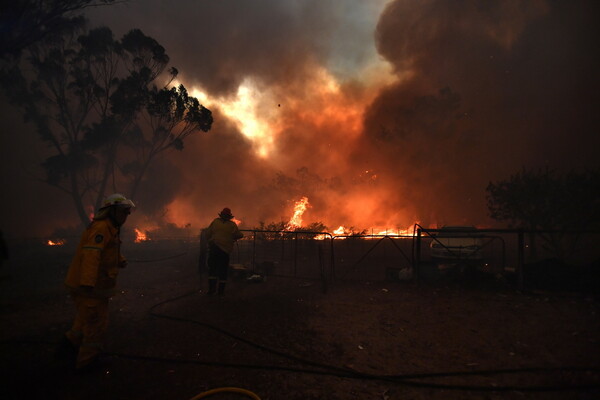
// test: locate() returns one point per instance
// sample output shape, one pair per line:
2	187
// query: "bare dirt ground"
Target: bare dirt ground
287	339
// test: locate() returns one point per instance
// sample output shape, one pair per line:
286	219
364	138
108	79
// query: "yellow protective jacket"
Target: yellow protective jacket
223	233
97	260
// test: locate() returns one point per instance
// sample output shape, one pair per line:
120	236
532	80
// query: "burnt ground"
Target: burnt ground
287	339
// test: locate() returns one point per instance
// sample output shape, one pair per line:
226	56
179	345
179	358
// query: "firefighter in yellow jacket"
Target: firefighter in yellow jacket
92	277
221	235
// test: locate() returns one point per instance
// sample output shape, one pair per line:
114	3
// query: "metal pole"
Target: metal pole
283	263
254	250
520	261
418	256
295	252
332	272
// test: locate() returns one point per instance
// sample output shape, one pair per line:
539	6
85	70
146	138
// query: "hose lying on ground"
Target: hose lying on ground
344	372
226	389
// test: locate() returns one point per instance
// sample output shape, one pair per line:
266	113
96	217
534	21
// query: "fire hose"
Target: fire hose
226	389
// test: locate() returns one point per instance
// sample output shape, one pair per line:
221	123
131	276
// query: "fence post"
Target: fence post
520	261
253	250
295	252
332	272
417	265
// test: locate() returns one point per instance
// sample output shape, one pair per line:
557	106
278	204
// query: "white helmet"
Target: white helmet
117	199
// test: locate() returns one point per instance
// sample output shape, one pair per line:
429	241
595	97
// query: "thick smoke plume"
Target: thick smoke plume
490	87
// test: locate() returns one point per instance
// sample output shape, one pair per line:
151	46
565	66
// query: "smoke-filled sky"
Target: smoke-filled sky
382	113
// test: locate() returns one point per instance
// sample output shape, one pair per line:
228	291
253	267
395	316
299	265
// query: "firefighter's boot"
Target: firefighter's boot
221	288
212	286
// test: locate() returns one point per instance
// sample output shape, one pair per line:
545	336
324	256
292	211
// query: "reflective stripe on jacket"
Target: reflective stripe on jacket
223	233
97	259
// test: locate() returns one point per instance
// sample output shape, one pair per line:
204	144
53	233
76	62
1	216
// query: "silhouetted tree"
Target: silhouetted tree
93	100
546	201
25	22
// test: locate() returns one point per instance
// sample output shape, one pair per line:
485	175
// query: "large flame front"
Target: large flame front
302	205
391	232
377	232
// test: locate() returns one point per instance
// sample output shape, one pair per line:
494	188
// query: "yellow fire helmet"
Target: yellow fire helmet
117	199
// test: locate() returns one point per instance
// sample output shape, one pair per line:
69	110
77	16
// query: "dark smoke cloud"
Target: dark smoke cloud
491	87
526	69
218	44
166	176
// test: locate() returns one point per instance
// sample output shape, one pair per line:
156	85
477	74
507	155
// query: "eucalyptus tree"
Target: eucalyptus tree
96	102
25	22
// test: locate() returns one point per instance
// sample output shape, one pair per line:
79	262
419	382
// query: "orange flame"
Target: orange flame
59	242
140	236
299	209
340	231
378	232
373	233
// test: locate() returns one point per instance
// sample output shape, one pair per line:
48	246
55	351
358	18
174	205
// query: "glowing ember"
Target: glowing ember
59	242
140	236
299	209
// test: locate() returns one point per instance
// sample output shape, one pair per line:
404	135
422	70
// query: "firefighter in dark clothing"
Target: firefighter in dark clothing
221	235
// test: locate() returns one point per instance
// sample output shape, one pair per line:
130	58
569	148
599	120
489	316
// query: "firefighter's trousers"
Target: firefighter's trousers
89	327
218	268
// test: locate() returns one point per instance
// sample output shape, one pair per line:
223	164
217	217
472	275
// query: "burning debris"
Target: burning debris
140	236
57	242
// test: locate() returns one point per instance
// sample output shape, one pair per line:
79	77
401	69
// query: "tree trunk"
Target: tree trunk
138	177
110	159
78	201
